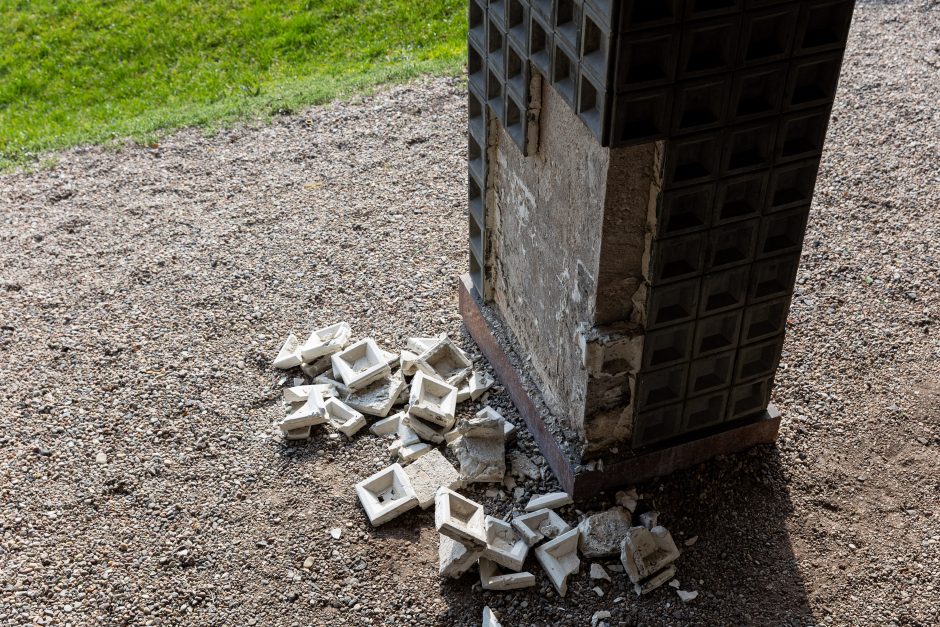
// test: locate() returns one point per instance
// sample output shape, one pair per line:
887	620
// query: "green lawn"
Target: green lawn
91	70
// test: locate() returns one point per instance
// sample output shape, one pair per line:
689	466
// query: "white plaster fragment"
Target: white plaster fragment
444	361
426	430
329	378
628	499
559	558
316	367
386	494
603	532
412	452
535	526
598	572
454	559
492	579
551	500
289	355
645	552
386	426
344	418
459	518
360	364
326	341
489	619
299	393
301	433
503	545
481	447
312	412
430	472
687	596
407	362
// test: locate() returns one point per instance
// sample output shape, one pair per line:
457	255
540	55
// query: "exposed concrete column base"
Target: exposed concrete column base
621	468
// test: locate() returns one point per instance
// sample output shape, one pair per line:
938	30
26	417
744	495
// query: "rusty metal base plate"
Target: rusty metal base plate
627	468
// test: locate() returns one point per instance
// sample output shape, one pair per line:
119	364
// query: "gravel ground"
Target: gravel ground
144	291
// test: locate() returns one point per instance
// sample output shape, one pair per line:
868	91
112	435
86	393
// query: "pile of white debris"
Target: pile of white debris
352	379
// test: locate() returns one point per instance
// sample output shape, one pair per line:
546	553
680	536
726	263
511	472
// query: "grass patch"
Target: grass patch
89	71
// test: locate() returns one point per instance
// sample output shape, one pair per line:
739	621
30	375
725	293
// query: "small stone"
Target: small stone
674	583
687	596
101	458
597	617
691	541
598	591
308	563
598	572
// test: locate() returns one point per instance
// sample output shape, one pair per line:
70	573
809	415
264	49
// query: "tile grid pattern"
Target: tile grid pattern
741	90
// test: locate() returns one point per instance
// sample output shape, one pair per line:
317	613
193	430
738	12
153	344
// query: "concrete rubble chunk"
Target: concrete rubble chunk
344	418
538	525
522	466
326	341
627	499
386	494
391	358
426	430
312	412
489	619
551	500
418	345
301	433
492	579
454	559
479	383
289	355
444	361
649	519
459	518
559	558
602	533
430	472
413	452
387	426
317	366
433	400
598	617
598	572
503	545
645	552
360	364
481	448
377	398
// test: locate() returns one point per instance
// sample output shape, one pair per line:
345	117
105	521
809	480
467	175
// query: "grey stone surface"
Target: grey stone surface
602	533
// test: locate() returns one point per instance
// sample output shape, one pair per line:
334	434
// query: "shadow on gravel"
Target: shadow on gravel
742	563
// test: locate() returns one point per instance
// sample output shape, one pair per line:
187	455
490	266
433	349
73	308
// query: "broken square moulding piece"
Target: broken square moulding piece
535	526
655	581
454	559
407	362
426	430
418	345
360	364
312	412
317	366
387	426
429	473
326	341
559	558
413	452
489	619
299	393
386	494
459	518
492	579
644	552
444	361
289	355
549	501
302	433
433	400
343	418
377	398
503	545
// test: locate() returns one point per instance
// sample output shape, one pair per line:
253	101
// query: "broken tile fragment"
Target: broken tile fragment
344	418
301	433
649	519
386	426
602	533
651	583
551	500
312	412
386	494
433	400
492	579
538	525
454	559
504	545
598	572
426	430
687	596
489	619
559	558
289	355
299	393
445	362
326	341
644	553
407	362
360	364
328	377
418	345
378	397
459	518
430	472
413	452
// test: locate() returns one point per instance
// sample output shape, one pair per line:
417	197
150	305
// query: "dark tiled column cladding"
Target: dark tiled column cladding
741	92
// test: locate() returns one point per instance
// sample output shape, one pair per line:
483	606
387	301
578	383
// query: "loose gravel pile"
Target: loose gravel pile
144	291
